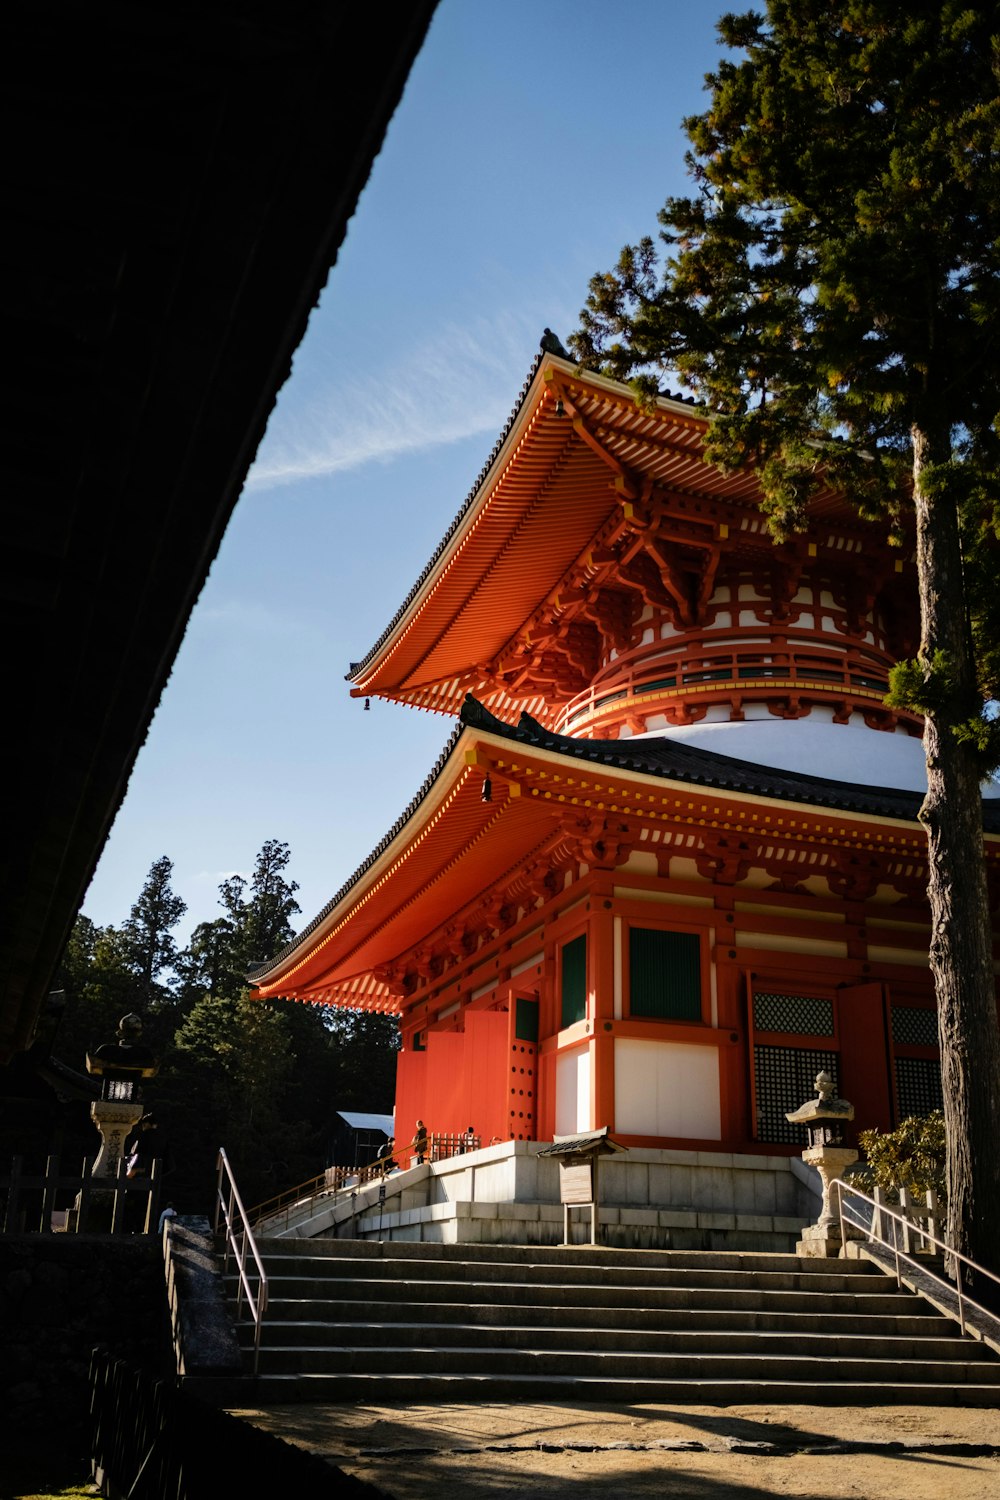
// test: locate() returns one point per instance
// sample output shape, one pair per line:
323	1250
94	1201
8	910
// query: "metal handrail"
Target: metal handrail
239	1239
310	1188
924	1234
332	1183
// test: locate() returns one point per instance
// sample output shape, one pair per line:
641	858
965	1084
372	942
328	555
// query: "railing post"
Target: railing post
875	1233
13	1195
86	1178
933	1224
49	1193
906	1210
218	1194
120	1191
153	1197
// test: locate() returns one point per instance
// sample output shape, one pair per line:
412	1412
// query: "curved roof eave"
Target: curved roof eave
366	871
480	490
659	761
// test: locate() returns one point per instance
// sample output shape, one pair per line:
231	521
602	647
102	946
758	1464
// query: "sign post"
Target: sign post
579	1157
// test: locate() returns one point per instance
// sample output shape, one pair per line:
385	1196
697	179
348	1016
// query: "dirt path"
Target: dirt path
681	1453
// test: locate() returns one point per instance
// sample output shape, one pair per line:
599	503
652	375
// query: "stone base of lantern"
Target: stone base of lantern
823	1238
824	1244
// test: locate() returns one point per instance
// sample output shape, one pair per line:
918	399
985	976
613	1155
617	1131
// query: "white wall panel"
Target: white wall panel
667	1088
573	1091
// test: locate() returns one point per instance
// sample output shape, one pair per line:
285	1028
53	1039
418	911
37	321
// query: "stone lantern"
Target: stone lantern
121	1066
824	1118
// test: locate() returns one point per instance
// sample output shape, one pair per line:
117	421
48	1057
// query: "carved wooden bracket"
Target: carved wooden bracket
725	859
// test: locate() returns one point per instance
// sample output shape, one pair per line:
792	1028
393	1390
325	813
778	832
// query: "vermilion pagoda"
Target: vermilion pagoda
668	867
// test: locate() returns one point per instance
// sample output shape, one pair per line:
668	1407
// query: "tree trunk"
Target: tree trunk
961	955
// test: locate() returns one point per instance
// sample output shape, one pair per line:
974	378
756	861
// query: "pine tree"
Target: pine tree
100	987
831	292
148	931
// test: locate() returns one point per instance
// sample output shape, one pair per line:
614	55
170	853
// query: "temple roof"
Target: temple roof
577	459
449	847
676	760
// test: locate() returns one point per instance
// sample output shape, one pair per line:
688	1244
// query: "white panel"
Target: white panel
842	752
573	1091
583	1120
667	1088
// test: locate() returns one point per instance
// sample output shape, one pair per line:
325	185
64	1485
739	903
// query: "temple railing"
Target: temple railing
446	1145
901	1235
659	674
53	1201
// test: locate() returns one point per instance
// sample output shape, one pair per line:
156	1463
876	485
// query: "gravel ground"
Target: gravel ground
684	1453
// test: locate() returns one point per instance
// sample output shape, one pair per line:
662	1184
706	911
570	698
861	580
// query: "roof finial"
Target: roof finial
549	344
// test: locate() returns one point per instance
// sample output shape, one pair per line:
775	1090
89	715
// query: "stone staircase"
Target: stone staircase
361	1321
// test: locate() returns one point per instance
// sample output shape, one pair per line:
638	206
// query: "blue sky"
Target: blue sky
534	139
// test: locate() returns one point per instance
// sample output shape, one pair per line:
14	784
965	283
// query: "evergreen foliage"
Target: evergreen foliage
148	932
912	1156
260	1077
831	292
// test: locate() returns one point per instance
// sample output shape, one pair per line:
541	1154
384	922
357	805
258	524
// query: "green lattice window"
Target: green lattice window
785	1079
664	974
914	1026
803	1015
574	980
918	1086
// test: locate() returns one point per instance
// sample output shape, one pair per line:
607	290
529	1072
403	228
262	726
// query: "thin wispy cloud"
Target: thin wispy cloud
250	619
460	384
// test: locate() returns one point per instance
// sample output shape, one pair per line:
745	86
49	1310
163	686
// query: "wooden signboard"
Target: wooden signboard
576	1181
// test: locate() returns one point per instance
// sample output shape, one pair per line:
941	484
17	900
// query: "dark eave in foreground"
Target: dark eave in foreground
178	181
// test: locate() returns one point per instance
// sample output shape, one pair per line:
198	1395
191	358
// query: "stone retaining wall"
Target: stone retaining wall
60	1295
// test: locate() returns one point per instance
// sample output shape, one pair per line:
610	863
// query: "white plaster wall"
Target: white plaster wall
839	752
573	1091
667	1088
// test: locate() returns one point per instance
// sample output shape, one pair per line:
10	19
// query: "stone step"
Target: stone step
803	1368
816	1324
426	1389
878	1296
367	1321
328	1250
315	1343
280	1274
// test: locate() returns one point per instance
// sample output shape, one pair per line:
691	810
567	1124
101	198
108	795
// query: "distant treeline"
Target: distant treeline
259	1077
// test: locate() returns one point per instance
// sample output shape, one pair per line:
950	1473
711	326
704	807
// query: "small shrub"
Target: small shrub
911	1156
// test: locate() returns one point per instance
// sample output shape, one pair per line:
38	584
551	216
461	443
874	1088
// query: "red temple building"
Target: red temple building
668	867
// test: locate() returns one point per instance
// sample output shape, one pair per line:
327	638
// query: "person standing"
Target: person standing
419	1144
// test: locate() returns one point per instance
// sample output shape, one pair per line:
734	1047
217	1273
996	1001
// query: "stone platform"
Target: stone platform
507	1194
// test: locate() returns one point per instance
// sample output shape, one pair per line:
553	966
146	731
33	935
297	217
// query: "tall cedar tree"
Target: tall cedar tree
148	931
261	923
832	293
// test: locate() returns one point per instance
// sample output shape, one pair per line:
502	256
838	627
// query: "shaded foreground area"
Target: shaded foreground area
686	1453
